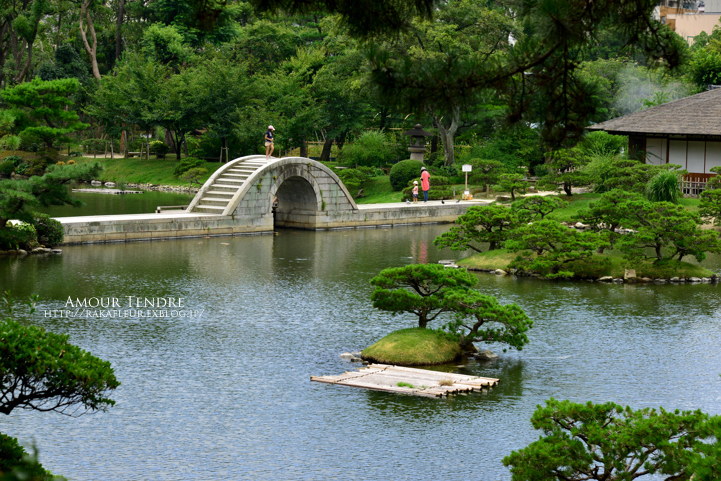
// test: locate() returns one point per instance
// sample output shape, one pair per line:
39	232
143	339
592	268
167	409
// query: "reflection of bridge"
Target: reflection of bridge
238	199
246	187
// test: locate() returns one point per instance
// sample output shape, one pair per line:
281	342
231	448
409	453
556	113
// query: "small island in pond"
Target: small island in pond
622	235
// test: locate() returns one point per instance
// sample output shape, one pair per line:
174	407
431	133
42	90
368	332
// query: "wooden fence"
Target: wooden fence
693	185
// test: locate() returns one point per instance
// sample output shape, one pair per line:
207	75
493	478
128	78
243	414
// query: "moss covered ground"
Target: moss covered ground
413	347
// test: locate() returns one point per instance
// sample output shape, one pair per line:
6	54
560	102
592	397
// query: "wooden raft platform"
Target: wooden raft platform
383	377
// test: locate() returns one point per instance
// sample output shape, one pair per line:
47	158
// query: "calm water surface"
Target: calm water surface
228	395
110	204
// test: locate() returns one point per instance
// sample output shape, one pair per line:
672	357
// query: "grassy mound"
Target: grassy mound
413	347
606	264
141	171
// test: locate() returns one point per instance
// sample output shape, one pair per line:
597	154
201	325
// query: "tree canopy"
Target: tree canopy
42	371
609	442
419	289
480	224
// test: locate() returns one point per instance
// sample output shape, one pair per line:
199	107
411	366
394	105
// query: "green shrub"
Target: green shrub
159	148
22	168
354	179
371	149
187	164
603	144
663	187
36	166
441	188
404	172
18	236
15	159
135	144
15	463
194	175
93	146
7	167
714	182
50	232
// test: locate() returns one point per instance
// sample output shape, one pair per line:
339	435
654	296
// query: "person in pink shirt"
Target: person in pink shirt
425	183
415	191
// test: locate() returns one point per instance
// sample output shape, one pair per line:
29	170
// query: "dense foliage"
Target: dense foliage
612	443
490	321
50	232
19	197
480	224
419	289
41	370
431	290
16	464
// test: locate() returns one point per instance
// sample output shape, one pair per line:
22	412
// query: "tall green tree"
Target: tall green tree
20	23
433	59
347	98
540	73
361	17
131	95
221	89
42	109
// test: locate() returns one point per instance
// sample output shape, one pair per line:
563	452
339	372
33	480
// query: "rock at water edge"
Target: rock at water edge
486	355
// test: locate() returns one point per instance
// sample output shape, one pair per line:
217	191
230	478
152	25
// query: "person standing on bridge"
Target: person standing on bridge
269	142
425	183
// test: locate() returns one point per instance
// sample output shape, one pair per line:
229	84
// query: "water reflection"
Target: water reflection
227	395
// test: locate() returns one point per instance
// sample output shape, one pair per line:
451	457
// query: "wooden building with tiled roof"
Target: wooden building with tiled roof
685	132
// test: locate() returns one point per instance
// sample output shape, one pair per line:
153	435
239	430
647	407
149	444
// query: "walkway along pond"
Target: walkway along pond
227	395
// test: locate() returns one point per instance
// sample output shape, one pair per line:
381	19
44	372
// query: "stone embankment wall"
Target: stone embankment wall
135	227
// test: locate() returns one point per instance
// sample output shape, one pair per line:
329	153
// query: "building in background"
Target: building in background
689	18
685	132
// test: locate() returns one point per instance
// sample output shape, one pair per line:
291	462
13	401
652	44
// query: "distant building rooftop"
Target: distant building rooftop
698	114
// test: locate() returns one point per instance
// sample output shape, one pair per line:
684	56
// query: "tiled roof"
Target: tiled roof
698	114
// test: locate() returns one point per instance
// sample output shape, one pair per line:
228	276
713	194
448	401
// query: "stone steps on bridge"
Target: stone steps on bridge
227	184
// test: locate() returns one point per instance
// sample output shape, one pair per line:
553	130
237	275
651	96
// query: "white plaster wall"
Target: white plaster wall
695	156
655	151
677	152
713	156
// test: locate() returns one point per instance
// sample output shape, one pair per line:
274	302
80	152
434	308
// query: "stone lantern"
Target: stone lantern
418	142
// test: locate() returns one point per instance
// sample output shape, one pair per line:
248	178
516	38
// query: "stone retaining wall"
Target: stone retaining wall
128	228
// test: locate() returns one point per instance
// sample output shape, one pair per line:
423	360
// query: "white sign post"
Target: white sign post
467	168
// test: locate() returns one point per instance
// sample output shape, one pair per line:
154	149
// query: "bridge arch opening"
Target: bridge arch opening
296	201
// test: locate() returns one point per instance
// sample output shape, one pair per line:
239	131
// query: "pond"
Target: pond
108	204
227	394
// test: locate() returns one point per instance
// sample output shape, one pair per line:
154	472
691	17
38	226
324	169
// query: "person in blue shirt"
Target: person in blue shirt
269	142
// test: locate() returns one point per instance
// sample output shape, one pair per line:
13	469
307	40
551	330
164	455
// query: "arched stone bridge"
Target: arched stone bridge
307	193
